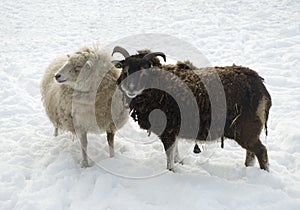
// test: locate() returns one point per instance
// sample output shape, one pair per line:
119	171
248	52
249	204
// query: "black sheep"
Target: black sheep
150	86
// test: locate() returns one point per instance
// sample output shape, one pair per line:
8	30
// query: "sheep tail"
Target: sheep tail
266	128
267	109
267	116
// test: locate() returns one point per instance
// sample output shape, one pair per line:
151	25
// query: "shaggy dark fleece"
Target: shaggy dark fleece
247	104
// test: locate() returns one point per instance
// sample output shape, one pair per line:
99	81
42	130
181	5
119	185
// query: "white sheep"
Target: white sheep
77	92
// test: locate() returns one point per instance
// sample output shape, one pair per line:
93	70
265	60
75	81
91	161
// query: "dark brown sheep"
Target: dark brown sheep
246	112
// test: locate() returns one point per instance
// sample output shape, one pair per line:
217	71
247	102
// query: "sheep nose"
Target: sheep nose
57	76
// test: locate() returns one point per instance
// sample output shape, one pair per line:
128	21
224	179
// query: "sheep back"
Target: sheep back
243	87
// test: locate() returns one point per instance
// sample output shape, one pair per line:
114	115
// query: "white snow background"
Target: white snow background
39	171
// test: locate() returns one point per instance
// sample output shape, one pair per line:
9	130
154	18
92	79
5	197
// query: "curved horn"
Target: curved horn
149	56
121	50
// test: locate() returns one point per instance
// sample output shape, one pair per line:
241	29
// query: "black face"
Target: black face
136	70
134	75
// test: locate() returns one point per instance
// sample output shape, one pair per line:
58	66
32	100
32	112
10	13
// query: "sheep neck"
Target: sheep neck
84	97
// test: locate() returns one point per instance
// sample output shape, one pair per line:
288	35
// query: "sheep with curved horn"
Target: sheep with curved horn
247	103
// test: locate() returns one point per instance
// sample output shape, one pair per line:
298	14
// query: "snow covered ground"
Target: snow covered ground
39	171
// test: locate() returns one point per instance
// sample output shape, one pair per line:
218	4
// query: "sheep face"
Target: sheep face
134	76
136	70
69	72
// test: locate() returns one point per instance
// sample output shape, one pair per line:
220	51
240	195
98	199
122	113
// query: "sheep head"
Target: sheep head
79	63
136	70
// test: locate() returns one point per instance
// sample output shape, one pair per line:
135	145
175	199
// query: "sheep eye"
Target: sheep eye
118	65
77	69
148	66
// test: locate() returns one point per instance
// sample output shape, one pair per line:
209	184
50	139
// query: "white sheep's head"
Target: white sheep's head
79	70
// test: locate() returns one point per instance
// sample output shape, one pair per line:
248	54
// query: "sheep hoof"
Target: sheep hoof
196	150
266	167
181	162
111	154
171	169
84	164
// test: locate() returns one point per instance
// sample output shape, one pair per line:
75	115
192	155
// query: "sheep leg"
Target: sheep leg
170	158
110	140
55	131
261	153
83	141
177	156
170	149
262	156
250	158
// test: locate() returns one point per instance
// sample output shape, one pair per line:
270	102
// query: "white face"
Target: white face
66	74
69	75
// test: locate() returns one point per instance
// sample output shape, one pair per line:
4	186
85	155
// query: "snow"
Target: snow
39	171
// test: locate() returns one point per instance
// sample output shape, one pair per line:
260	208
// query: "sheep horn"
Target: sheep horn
149	56
120	50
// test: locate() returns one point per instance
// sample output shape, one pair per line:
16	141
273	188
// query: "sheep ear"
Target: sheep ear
149	56
121	50
89	64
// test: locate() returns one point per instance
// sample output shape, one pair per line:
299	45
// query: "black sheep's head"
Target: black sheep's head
136	70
